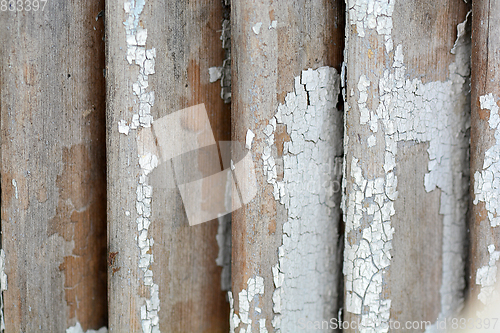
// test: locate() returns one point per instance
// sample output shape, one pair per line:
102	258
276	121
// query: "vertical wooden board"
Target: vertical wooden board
186	39
53	166
485	238
285	261
406	166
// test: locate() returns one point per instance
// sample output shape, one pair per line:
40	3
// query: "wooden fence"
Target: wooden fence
363	181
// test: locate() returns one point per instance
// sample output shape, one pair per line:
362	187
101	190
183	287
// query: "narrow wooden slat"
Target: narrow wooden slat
406	162
485	92
186	39
272	42
53	165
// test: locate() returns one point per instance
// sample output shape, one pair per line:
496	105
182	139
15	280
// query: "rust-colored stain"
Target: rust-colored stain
115	269
81	217
111	258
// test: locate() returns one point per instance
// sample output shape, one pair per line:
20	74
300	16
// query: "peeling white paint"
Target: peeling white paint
225	81
487	181
246	297
249	139
214	73
408	110
123	127
366	262
137	54
486	277
309	195
461	34
372	14
256	27
273	25
78	329
16	193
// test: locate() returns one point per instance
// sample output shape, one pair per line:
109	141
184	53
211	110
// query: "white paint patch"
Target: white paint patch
78	329
214	73
144	58
408	110
16	193
486	277
273	25
256	28
249	139
487	181
309	191
123	127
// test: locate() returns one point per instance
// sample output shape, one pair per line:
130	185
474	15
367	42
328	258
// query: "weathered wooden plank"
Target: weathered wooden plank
406	167
173	284
485	167
53	165
285	266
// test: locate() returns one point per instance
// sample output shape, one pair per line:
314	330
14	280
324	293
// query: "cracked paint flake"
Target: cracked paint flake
123	127
486	276
372	14
16	193
246	297
487	181
309	194
249	139
137	54
256	27
214	74
400	100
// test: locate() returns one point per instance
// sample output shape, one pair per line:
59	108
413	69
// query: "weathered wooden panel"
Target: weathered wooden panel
406	163
485	153
163	274
53	165
285	260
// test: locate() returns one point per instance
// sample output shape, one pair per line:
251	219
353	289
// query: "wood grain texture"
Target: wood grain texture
264	64
54	166
186	38
484	80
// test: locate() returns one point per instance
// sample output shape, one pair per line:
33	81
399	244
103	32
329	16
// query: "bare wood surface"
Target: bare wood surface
53	166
